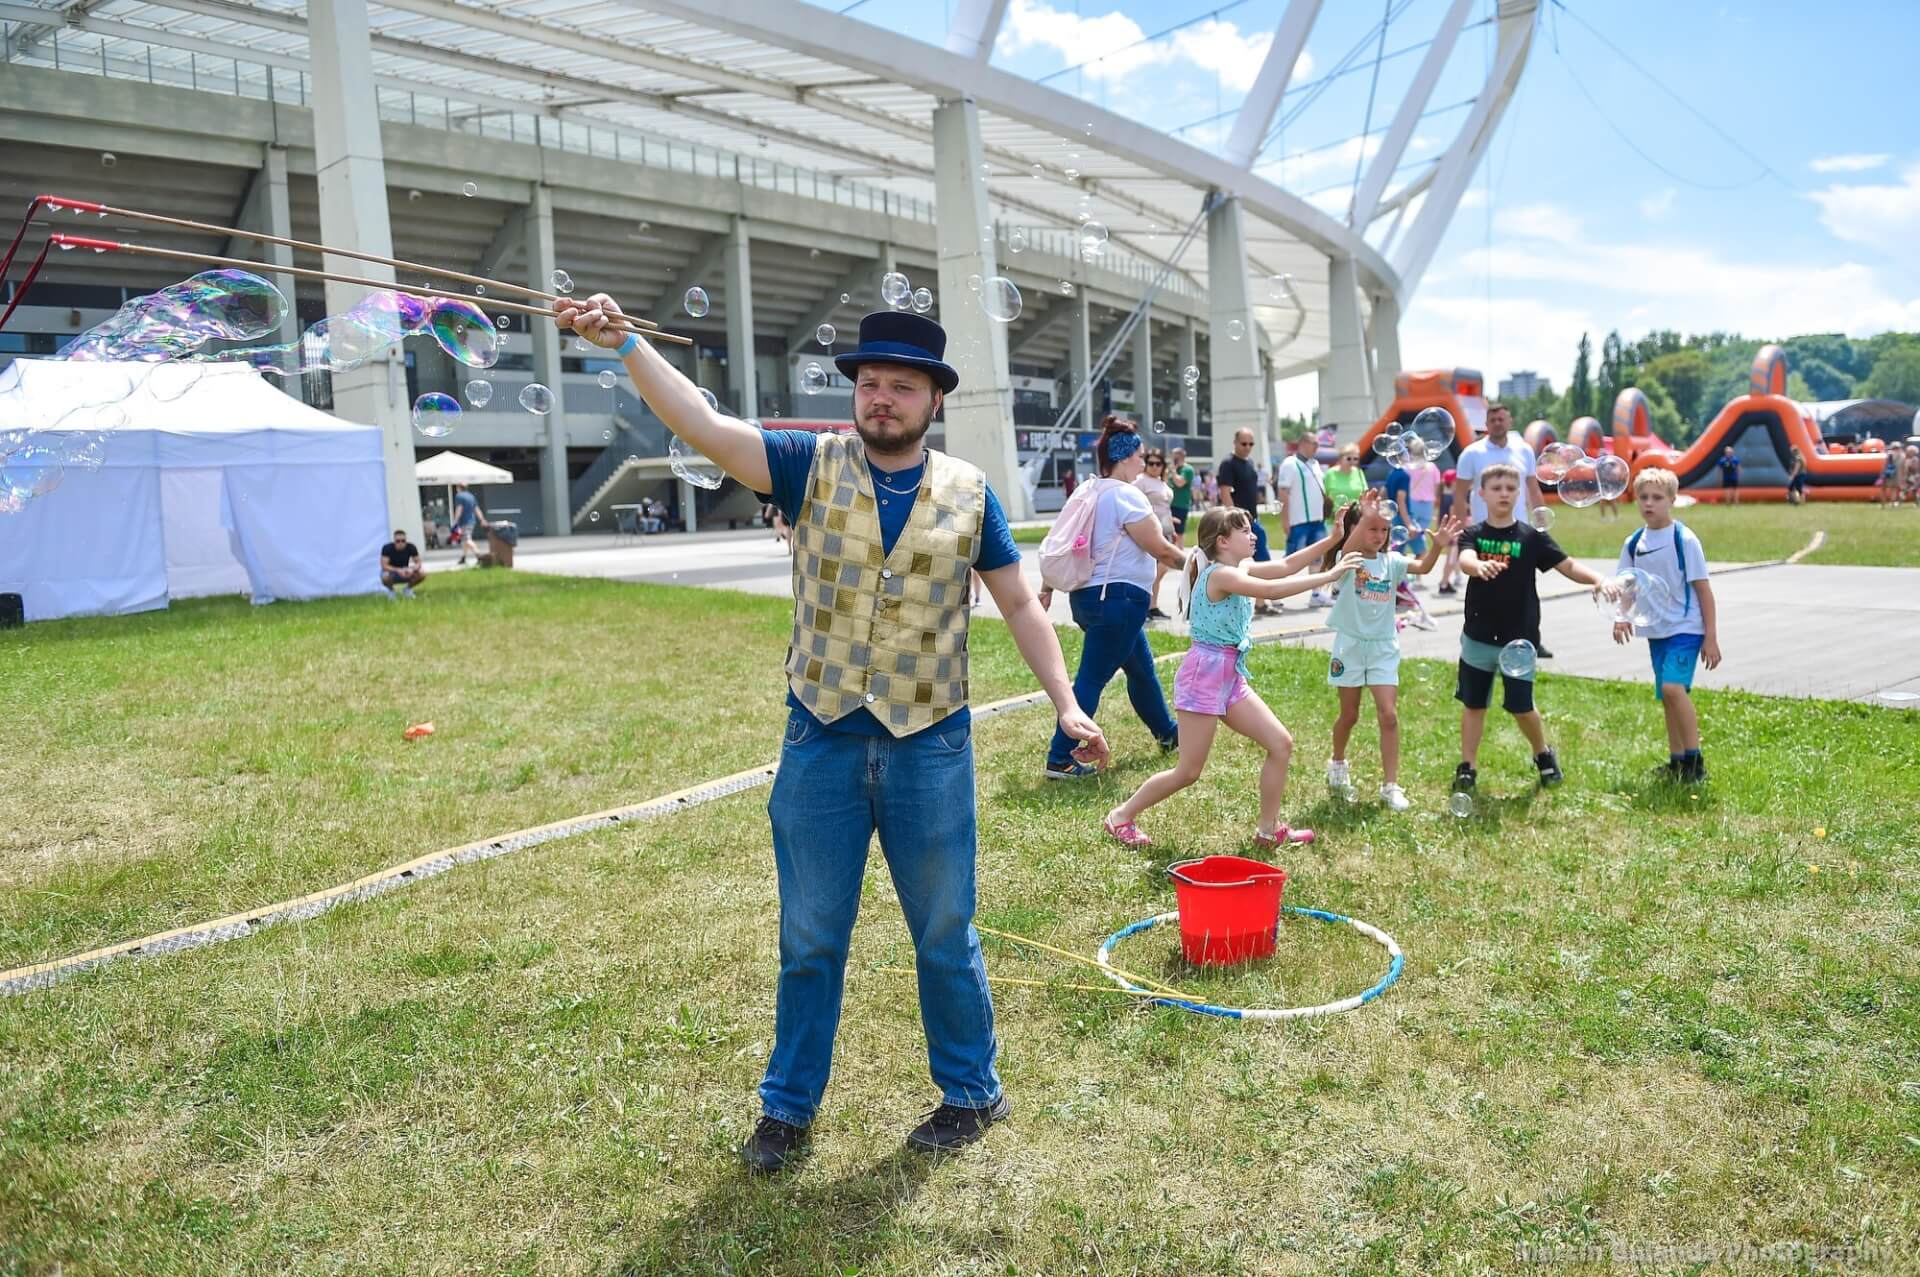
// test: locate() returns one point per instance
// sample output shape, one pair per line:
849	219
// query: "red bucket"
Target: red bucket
1229	908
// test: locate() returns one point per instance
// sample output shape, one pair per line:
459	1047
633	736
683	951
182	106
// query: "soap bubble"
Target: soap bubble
689	465
1159	427
1580	485
1000	299
479	393
708	395
1017	237
469	190
1235	330
1093	238
607	378
594	517
1190	375
1066	288
1387	445
536	399
1415	447
1554	459
1541	517
922	301
1038	170
696	302
1612	474
1642	598
1461	805
826	334
1397	538
813	378
169	381
435	415
461	329
1435	427
1518	659
501	323
896	290
973	283
561	281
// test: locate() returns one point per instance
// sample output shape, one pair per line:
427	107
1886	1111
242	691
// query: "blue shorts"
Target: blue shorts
1673	660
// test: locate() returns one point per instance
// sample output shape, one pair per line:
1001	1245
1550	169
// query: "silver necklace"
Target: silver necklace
880	483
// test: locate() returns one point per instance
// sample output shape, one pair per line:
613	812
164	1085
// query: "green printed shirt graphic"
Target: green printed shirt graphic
1508	607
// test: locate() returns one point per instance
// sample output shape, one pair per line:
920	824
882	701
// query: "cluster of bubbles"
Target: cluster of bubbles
691	466
1581	480
813	378
1190	381
1426	437
896	290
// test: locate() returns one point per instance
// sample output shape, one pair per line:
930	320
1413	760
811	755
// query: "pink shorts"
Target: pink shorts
1209	681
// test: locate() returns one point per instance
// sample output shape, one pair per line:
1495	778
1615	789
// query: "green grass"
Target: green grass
1857	532
1628	1011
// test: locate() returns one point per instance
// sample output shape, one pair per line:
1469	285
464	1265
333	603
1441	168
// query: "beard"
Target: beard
892	436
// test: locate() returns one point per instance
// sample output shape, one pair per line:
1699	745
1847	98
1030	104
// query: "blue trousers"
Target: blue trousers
1116	630
1302	535
834	791
1261	554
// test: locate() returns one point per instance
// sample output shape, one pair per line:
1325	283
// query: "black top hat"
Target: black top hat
896	337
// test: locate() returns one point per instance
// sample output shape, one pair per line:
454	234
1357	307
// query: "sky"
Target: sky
1762	176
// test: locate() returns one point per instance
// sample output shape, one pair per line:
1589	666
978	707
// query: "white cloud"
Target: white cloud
1657	205
1111	44
1886	217
1847	163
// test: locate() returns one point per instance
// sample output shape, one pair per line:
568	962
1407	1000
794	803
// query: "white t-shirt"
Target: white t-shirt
1480	454
1304	491
1116	556
1656	558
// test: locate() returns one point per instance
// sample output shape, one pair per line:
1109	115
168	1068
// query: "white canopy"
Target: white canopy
443	468
212	481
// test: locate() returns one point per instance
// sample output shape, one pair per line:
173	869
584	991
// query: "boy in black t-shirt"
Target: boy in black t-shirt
1501	558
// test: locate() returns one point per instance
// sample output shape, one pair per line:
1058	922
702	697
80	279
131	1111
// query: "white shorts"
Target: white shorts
1363	662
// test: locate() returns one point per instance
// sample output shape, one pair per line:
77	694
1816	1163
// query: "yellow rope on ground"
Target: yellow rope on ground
1044	984
1165	990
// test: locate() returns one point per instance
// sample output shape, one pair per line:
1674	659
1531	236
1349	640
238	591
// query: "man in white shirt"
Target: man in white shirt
1303	503
1500	446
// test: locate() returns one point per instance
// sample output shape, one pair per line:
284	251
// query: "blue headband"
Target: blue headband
1120	447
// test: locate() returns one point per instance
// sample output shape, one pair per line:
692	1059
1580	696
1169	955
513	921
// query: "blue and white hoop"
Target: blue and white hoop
1104	956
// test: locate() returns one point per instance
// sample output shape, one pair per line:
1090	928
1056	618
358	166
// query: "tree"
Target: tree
1611	382
1663	416
1826	381
1852	359
1580	390
1896	374
1683	374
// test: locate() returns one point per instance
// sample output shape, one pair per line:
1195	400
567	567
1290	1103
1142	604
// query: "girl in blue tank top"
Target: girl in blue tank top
1212	687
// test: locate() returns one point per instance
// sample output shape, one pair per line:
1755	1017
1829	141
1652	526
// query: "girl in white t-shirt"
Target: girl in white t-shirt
1154	487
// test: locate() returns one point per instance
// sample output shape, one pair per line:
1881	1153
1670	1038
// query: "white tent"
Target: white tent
444	469
211	482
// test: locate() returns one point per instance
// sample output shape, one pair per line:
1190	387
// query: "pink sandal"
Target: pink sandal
1127	832
1281	835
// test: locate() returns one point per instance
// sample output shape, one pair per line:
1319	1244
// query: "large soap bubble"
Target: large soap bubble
1611	473
1554	460
1435	428
1519	659
1639	598
463	330
1580	485
436	414
896	290
1000	299
691	466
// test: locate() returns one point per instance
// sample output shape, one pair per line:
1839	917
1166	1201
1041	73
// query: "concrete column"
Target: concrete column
1189	358
1080	358
556	503
1239	394
1347	405
276	218
1386	351
351	173
1143	371
742	376
687	494
979	413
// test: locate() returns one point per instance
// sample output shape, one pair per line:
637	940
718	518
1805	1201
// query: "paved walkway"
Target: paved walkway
1839	633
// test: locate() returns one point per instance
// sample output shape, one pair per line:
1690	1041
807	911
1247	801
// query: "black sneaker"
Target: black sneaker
1445	588
1155	614
1171	745
1541	653
774	1146
1549	764
1692	771
952	1126
1465	778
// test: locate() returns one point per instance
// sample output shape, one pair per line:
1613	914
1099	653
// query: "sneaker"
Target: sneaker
1465	777
408	591
1319	598
393	596
1281	835
953	1126
1171	745
1421	621
1070	770
774	1146
1446	587
1155	614
1691	771
1549	764
1543	654
1394	797
1337	774
1126	832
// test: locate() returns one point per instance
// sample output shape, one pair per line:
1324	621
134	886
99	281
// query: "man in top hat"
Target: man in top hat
886	532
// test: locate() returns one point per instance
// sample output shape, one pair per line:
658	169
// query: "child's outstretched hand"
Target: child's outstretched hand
1622	631
1448	530
1485	569
1348	562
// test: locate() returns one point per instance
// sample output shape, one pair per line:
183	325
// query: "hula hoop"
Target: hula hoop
1105	954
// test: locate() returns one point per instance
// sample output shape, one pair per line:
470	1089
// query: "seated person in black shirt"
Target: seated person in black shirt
400	565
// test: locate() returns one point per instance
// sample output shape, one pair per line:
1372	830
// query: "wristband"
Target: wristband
627	347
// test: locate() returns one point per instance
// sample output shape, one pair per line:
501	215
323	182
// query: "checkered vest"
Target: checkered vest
883	632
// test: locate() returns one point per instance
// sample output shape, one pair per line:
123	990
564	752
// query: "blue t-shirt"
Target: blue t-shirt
790	459
1399	485
465	507
1730	464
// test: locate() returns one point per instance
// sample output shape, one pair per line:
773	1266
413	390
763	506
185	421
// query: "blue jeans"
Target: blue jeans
833	792
1422	512
1302	535
1261	554
1116	630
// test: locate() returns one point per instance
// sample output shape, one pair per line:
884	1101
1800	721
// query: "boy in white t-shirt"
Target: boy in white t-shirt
1686	629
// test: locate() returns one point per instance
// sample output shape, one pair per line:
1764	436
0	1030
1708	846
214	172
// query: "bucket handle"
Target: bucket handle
1173	872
